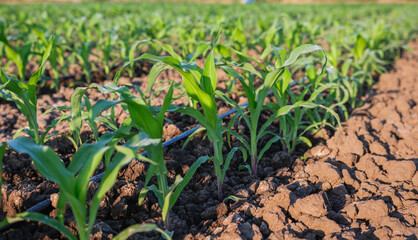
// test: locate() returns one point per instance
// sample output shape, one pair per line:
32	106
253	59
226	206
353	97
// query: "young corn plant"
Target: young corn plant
24	95
200	85
291	118
20	57
150	120
55	59
73	181
347	90
335	98
292	123
146	121
256	98
92	113
131	56
83	56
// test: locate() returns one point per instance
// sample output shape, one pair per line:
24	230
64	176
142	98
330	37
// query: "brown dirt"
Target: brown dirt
361	183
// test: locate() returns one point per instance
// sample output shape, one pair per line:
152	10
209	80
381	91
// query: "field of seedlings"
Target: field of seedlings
188	121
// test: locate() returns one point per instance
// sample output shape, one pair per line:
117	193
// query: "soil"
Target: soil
360	182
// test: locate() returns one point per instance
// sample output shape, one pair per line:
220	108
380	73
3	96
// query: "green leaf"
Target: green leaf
17	91
100	106
227	162
17	59
231	102
133	48
286	109
250	68
91	162
167	101
133	154
311	72
76	113
267	146
346	66
304	49
209	78
305	140
94	111
79	210
284	84
233	198
199	117
244	154
46	161
38	217
119	160
186	179
144	119
249	89
239	137
272	77
170	50
155	71
84	153
33	80
245	167
137	228
360	47
201	49
191	136
142	195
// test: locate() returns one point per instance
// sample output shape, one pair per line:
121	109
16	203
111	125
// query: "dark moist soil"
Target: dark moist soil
361	183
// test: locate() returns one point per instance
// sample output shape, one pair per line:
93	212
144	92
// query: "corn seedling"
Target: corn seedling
24	95
150	120
83	55
106	49
55	58
359	49
256	98
291	116
200	85
91	114
73	181
20	57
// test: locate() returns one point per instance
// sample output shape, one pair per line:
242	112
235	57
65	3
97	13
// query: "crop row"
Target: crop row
260	53
101	36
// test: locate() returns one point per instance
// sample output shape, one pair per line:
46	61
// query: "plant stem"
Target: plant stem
218	159
220	192
167	222
254	164
157	154
254	152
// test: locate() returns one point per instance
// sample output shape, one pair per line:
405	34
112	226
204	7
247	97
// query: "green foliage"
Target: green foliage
125	234
278	77
73	180
150	120
200	85
360	43
24	94
19	57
